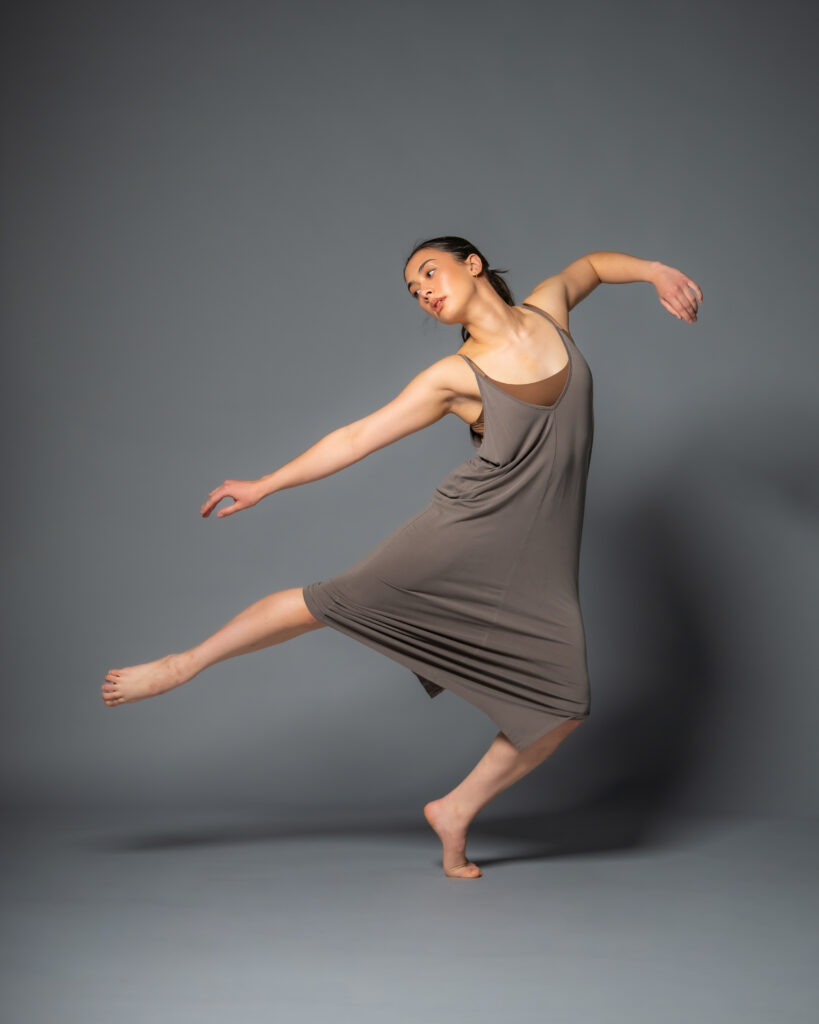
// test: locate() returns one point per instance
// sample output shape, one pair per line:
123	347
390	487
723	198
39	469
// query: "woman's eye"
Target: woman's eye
427	274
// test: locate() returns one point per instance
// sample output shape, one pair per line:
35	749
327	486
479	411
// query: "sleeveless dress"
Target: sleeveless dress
478	592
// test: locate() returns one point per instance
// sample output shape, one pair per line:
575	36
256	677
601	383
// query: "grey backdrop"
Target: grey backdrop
206	209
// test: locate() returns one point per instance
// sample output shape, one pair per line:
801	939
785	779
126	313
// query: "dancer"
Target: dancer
478	592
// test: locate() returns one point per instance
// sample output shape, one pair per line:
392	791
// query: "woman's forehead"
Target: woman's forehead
420	257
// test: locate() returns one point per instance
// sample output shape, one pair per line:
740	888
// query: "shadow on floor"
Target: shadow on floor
606	825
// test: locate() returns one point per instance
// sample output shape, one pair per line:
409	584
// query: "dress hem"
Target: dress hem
518	738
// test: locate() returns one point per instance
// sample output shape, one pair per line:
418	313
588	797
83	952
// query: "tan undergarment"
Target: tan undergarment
538	392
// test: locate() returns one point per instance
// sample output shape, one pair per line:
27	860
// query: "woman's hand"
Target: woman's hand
678	293
246	493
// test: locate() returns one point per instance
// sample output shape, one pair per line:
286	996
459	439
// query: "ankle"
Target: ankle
457	811
188	664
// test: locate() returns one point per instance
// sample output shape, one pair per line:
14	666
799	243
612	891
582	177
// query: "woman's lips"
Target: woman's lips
438	304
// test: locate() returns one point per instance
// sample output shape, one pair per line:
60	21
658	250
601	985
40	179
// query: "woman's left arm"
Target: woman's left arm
676	291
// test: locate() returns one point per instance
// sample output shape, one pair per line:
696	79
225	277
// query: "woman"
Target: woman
478	592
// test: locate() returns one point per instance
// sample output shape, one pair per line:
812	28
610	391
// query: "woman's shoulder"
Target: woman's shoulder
550	297
453	368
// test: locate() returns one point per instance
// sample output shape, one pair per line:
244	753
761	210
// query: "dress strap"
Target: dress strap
548	316
474	366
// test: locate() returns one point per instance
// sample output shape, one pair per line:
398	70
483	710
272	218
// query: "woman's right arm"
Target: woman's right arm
425	400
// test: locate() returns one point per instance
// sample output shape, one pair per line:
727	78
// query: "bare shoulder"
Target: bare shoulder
454	378
559	294
449	373
550	296
446	382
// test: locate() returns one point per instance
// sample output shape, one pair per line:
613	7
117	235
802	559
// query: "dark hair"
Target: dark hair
460	248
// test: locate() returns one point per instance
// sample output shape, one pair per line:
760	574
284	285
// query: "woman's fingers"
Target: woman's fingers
695	287
243	492
680	310
224	490
678	293
214	498
207	508
671	310
689	295
687	302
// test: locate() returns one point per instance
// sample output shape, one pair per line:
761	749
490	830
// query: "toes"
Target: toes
465	871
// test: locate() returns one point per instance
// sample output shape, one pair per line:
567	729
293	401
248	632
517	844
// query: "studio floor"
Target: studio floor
162	915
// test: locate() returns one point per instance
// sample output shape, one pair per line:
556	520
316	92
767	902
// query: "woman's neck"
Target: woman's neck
492	323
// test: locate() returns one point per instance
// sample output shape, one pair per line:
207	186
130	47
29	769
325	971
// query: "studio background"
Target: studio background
206	211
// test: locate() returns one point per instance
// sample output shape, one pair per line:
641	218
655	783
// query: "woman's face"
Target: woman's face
440	283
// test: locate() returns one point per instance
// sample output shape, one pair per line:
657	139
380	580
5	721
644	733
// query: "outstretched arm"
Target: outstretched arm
562	292
426	399
677	292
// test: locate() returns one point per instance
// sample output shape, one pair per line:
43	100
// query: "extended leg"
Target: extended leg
501	766
273	619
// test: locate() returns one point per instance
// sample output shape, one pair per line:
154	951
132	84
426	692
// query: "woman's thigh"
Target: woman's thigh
300	611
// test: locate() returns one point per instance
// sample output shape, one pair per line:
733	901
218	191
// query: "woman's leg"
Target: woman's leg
501	766
277	617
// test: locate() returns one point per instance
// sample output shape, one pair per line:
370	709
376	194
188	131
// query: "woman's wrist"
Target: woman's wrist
266	485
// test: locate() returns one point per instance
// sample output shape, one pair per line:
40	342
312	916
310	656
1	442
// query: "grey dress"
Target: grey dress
478	592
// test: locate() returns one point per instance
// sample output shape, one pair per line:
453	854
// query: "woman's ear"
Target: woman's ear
473	262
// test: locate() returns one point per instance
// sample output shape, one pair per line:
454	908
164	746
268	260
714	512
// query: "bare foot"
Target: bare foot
452	832
127	685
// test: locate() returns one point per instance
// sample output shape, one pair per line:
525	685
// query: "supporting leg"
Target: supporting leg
273	619
501	766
